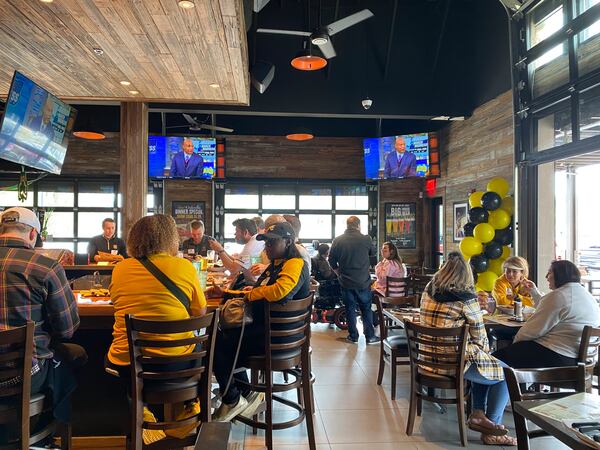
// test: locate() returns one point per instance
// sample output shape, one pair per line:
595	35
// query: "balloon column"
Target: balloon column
489	232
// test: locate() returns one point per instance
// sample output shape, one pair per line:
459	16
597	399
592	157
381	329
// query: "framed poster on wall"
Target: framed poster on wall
186	212
401	224
460	216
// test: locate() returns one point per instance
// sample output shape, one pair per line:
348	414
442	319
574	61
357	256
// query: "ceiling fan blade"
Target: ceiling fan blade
189	119
216	128
288	32
259	4
178	126
327	49
348	21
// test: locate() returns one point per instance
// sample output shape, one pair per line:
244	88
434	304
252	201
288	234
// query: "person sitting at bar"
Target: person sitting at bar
135	290
245	234
551	336
449	300
297	226
390	266
287	278
107	242
35	288
320	267
198	243
260	224
512	283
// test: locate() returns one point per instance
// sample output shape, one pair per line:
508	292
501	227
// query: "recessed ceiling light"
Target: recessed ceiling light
186	4
214	85
125	83
98	51
46	1
134	92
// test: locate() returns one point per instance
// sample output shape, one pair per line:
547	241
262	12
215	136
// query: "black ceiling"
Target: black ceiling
446	58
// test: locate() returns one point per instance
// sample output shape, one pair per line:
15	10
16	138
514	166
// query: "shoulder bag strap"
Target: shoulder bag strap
166	281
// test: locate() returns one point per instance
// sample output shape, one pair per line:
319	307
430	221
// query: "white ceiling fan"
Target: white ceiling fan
195	125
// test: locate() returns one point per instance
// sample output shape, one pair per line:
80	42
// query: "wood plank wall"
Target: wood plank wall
93	158
472	153
190	190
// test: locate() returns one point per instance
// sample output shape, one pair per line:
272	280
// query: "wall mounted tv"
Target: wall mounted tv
36	126
399	156
181	157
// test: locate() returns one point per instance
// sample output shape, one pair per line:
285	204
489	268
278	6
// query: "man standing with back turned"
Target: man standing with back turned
349	257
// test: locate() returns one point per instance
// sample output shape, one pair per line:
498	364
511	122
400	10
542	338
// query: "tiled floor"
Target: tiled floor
353	413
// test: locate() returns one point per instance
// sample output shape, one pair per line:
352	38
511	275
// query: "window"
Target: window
315	198
278	198
9	194
351	198
553	128
241	197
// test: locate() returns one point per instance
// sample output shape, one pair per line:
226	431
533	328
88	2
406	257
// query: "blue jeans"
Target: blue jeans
490	396
361	298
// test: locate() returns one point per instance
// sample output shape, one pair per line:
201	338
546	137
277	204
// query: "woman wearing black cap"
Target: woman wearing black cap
287	278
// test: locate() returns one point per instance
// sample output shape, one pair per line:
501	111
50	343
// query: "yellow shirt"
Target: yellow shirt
134	290
499	293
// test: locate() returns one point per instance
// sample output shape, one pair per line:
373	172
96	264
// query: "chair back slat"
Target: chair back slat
395	286
18	345
433	349
588	346
192	380
417	283
290	319
277	325
552	376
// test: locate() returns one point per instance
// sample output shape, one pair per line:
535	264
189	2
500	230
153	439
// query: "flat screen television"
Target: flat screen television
399	156
181	157
36	126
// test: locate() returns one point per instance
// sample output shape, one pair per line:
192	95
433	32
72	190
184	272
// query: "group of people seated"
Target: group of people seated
549	338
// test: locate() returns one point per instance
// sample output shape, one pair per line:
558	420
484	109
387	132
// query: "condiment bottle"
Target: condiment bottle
518	305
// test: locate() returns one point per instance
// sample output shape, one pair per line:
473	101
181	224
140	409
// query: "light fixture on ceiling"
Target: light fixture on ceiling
186	4
125	83
88	128
300	134
319	38
46	1
214	85
134	92
98	51
305	60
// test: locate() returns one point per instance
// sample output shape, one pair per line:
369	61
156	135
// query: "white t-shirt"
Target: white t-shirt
250	254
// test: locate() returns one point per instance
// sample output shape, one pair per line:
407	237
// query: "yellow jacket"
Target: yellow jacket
500	293
136	291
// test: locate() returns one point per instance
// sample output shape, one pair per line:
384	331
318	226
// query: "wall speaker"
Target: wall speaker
261	75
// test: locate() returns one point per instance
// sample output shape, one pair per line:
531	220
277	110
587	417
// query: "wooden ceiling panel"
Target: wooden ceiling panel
169	54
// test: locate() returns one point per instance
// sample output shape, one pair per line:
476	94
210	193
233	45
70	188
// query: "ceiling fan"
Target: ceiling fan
321	37
195	125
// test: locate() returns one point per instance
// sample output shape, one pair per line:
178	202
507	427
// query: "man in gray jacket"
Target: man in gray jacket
349	257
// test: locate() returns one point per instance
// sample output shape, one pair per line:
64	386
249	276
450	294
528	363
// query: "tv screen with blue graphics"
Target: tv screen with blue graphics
36	126
396	156
181	157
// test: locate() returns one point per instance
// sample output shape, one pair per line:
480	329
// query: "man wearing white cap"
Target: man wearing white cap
35	288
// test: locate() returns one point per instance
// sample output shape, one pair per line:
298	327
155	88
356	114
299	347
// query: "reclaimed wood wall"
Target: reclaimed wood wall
190	190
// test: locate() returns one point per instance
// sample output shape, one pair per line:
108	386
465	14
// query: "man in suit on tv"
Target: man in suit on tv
186	163
400	163
42	123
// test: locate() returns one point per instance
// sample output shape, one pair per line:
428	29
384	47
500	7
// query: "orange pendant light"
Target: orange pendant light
304	60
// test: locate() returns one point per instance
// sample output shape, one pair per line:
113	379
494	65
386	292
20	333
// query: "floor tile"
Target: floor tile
333	376
292	436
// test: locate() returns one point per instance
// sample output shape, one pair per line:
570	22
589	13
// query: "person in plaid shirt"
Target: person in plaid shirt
34	287
450	301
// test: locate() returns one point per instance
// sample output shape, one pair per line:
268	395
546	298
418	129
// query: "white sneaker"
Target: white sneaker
254	400
225	412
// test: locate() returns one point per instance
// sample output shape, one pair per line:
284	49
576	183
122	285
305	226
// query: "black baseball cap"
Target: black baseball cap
277	231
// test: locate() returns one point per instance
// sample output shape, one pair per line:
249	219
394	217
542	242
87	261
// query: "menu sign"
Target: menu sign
184	213
400	224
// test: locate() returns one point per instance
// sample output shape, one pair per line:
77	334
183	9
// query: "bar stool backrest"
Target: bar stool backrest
396	287
293	312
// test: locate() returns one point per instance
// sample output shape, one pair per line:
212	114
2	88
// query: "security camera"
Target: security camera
367	102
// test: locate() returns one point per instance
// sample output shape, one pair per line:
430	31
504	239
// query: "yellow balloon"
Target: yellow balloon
505	252
475	199
499	186
499	219
484	232
485	280
470	246
508	204
495	265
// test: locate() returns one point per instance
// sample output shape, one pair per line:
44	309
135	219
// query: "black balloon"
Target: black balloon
468	228
504	236
493	250
491	201
479	263
475	276
478	215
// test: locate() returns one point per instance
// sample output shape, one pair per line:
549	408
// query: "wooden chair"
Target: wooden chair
432	349
396	287
554	376
416	284
17	405
588	353
171	387
292	357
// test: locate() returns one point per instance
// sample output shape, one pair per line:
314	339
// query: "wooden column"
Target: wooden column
134	163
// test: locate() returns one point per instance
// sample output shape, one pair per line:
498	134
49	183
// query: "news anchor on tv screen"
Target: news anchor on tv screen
400	163
186	163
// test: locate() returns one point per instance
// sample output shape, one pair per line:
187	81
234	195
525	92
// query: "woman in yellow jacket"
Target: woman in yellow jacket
513	283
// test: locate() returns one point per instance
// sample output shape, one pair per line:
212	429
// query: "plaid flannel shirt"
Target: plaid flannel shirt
34	287
455	314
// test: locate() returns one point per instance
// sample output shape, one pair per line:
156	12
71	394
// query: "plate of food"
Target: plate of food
109	257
